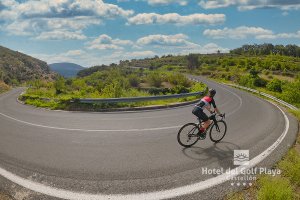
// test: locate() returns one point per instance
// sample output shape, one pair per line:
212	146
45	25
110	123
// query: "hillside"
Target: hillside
278	58
16	67
66	69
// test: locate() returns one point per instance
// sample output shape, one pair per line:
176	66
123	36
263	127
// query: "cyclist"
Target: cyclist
206	103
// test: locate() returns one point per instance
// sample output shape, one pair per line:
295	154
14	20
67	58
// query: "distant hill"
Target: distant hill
16	67
66	69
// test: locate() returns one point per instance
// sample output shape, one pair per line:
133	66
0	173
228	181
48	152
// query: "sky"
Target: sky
95	32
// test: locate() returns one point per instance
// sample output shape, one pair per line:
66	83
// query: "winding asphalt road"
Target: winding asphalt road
132	152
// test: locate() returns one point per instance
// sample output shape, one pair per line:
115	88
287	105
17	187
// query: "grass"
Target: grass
274	188
290	166
296	113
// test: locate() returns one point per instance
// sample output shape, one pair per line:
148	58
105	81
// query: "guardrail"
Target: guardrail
137	99
264	94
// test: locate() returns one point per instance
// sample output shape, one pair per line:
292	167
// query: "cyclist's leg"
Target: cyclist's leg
201	115
206	121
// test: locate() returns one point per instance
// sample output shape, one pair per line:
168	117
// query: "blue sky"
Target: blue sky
94	32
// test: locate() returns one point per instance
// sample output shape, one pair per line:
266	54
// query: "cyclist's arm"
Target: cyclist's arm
217	110
215	107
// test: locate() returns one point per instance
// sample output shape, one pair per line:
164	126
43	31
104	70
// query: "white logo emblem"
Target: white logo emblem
241	157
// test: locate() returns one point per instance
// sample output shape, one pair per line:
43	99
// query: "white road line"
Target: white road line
171	193
90	130
240	99
116	130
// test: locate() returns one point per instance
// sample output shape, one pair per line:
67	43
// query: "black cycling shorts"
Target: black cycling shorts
200	114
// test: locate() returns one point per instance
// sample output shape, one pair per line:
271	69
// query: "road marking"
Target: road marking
240	99
165	194
90	130
118	130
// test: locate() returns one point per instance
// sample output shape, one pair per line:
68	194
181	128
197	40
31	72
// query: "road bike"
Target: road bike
189	134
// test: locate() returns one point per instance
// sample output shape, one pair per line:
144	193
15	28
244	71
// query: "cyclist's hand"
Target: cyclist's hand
221	115
212	112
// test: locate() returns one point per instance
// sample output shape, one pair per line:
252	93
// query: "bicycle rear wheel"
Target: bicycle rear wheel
188	135
218	131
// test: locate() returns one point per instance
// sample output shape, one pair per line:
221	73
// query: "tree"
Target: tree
193	61
60	85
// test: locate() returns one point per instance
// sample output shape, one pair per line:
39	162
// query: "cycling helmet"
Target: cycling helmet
212	92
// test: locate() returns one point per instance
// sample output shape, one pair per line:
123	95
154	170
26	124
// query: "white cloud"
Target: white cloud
121	55
77	52
68	9
104	42
208	48
178	43
243	32
250	5
167	2
236	33
88	59
175	18
61	35
161	40
35	17
280	36
160	2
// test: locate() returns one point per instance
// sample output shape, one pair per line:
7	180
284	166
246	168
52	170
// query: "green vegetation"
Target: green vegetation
3	87
274	188
268	68
266	49
290	166
275	74
114	82
17	68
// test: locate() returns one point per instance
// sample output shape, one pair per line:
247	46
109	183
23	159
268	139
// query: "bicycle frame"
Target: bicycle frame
214	119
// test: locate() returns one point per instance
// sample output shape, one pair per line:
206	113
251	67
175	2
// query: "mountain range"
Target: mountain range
66	69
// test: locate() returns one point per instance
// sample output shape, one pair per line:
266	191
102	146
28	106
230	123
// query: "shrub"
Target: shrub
198	87
133	80
290	92
3	87
112	90
155	79
259	82
179	79
178	89
250	81
60	85
246	81
274	85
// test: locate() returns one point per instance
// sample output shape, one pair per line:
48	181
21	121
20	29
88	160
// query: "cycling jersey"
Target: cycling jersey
205	101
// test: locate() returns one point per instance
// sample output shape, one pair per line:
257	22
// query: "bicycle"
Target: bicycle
192	131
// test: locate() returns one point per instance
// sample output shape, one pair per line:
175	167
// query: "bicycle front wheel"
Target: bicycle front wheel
188	135
218	131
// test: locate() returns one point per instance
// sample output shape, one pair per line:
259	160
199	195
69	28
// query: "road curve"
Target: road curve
131	152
